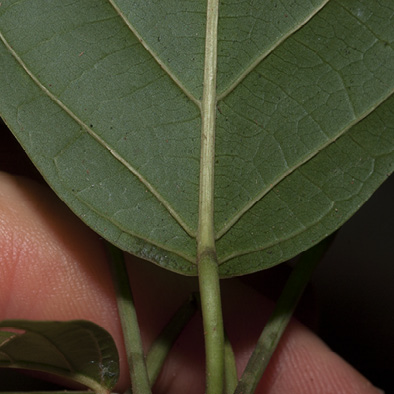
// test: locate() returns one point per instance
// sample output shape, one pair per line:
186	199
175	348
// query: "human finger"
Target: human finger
52	267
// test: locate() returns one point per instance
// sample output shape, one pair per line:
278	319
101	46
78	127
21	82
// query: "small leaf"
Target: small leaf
78	350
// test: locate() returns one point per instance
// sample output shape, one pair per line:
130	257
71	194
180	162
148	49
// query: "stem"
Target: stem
280	317
129	322
213	323
230	368
208	271
163	343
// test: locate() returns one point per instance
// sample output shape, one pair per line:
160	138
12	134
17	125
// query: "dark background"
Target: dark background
352	289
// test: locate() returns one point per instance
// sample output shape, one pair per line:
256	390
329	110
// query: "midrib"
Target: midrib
206	229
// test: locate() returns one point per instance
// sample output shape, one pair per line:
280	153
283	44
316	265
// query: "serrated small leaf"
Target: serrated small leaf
78	350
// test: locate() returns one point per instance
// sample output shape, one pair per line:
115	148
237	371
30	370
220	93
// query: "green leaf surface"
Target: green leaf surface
106	98
77	350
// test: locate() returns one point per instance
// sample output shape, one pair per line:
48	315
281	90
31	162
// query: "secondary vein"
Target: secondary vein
100	140
231	222
162	65
263	55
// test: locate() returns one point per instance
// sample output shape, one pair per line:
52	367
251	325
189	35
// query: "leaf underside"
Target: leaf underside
77	350
105	97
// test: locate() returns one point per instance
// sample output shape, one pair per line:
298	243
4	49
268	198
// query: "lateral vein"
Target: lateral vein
264	192
154	55
260	58
100	140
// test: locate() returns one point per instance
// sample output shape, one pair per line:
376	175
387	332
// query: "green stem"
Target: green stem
230	368
129	322
213	323
163	343
208	270
280	317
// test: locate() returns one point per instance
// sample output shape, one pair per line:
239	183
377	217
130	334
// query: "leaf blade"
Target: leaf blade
271	121
275	143
77	350
331	189
295	136
58	165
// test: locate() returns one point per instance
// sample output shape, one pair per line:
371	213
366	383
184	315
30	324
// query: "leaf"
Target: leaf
105	96
78	350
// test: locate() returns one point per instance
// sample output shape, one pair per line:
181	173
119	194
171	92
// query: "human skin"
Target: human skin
52	267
